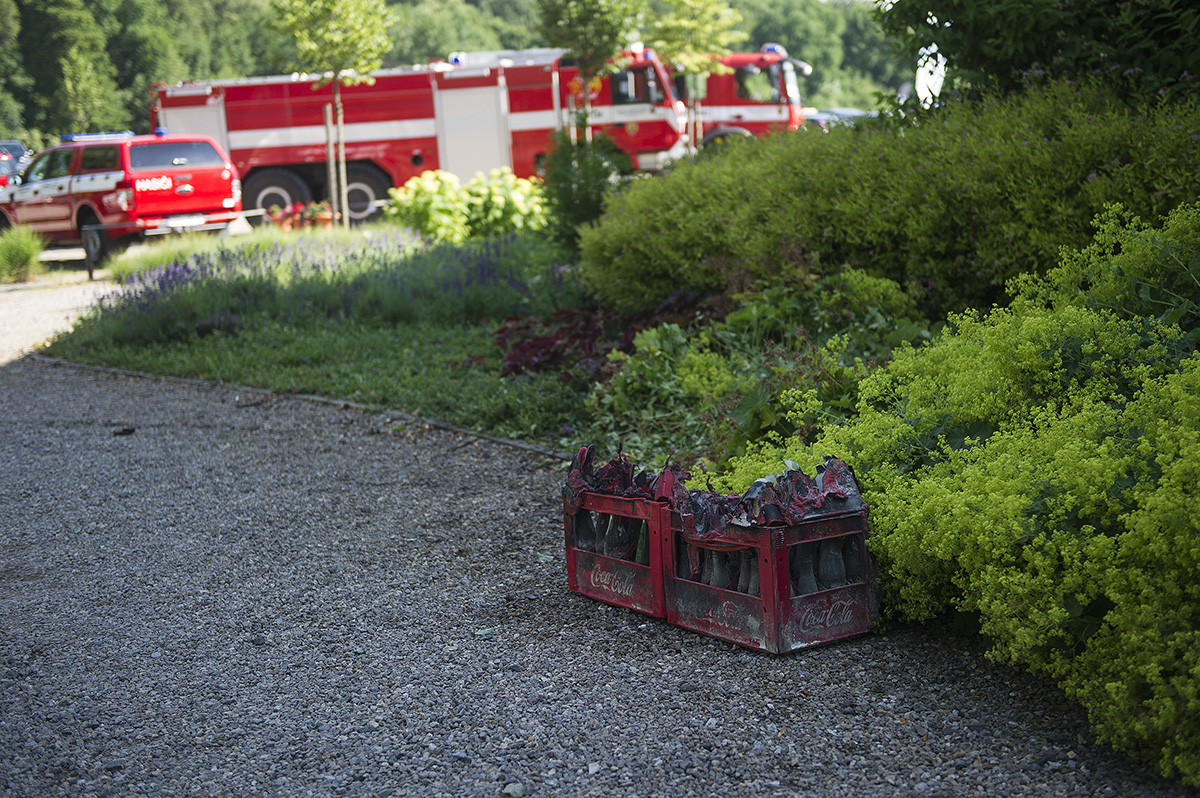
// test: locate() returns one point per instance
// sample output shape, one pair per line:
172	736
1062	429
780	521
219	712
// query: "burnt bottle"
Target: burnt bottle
706	570
719	576
752	561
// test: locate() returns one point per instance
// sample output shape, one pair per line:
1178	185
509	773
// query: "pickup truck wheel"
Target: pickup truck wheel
96	245
364	186
273	187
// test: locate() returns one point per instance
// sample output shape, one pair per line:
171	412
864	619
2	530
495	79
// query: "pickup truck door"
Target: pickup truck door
43	200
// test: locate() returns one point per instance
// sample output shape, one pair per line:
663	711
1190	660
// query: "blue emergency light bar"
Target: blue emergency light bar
120	134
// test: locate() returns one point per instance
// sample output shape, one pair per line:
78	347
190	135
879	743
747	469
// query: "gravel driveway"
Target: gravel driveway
212	591
32	313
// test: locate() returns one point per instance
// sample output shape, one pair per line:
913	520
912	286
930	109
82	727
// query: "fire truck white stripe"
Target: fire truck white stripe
743	113
315	134
531	120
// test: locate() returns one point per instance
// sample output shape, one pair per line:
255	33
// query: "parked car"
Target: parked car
826	118
103	190
8	168
17	151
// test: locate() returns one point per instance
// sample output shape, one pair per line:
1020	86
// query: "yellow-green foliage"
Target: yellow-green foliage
433	204
440	208
500	203
1040	466
1130	268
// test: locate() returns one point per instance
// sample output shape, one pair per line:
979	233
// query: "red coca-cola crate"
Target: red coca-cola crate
614	551
773	588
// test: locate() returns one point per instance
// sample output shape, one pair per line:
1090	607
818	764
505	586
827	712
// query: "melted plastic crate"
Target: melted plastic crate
614	551
773	588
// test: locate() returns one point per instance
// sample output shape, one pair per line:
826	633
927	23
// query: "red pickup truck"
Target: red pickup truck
103	190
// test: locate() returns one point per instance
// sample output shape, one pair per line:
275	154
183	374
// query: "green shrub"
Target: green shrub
664	394
579	177
437	206
1038	466
19	250
704	394
1130	268
950	208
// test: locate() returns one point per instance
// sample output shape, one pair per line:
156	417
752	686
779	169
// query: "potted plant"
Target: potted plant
319	214
278	218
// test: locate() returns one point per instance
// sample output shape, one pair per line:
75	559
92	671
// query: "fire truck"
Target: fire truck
758	95
470	113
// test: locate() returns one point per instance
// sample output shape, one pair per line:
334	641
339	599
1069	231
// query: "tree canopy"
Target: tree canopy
999	43
346	38
592	31
691	32
71	65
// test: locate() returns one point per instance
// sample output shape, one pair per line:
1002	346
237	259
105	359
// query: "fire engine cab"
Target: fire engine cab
471	113
758	95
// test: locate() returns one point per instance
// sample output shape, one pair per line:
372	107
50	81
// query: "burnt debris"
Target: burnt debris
784	499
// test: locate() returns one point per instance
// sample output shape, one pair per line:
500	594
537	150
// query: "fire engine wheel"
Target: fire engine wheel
364	186
725	135
274	187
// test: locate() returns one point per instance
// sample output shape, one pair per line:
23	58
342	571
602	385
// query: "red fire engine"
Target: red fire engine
758	96
473	113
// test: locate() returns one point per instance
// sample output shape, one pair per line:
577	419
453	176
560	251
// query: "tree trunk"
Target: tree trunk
341	137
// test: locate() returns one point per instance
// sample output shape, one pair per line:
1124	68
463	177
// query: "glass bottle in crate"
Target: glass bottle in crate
642	556
585	531
706	569
831	570
804	579
719	577
852	556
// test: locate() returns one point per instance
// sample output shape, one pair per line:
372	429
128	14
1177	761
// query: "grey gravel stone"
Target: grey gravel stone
264	596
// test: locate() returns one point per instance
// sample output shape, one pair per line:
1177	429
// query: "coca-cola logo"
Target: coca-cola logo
724	615
817	616
609	582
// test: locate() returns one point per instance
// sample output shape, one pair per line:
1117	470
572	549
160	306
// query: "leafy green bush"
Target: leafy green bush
950	208
1130	268
704	394
19	250
501	204
664	394
1038	466
440	208
433	204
